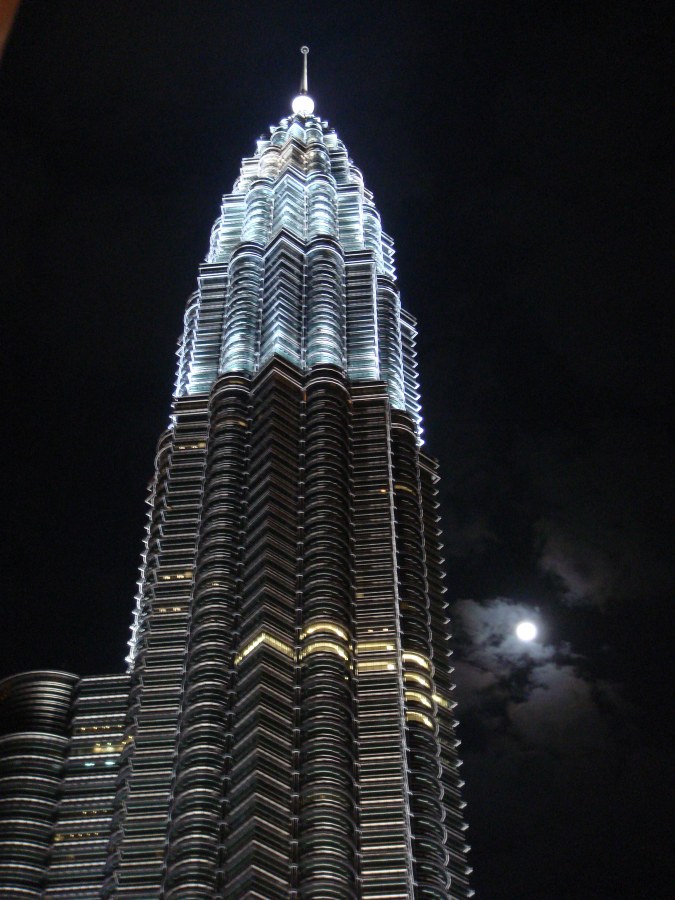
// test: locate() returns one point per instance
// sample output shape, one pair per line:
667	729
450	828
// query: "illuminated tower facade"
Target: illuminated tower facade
285	728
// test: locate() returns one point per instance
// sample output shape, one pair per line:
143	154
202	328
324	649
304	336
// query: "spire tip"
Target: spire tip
303	105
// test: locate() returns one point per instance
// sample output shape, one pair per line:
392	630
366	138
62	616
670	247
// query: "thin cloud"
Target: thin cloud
535	695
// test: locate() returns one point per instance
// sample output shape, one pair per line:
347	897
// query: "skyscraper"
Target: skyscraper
285	727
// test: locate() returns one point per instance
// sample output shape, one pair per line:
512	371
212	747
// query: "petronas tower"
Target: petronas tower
285	728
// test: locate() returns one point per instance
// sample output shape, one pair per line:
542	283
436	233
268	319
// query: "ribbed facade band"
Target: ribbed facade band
285	729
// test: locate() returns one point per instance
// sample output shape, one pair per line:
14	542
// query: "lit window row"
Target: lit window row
446	704
89	728
414	716
179	576
418	697
324	626
69	836
418	679
109	747
418	659
324	647
377	666
375	647
264	638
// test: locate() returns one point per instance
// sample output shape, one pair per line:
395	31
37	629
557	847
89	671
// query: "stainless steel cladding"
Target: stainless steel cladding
286	725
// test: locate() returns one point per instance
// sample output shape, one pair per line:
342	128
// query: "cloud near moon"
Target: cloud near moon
537	732
535	691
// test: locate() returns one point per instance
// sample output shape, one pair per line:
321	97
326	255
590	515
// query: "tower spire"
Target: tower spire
303	105
303	80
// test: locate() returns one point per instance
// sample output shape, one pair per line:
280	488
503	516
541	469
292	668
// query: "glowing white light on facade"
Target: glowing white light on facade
299	266
303	105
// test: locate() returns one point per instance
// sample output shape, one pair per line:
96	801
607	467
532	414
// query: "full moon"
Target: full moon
526	631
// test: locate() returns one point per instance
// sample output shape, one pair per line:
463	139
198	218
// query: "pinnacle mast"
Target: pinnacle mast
303	80
303	105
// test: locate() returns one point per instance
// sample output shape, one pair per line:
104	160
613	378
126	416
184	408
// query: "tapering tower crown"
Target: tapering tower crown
299	266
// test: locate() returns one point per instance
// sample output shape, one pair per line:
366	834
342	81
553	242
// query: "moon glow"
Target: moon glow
526	631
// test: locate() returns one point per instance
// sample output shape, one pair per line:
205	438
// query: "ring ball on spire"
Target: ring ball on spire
303	105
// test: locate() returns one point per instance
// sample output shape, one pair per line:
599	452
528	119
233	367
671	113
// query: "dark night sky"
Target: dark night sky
518	156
